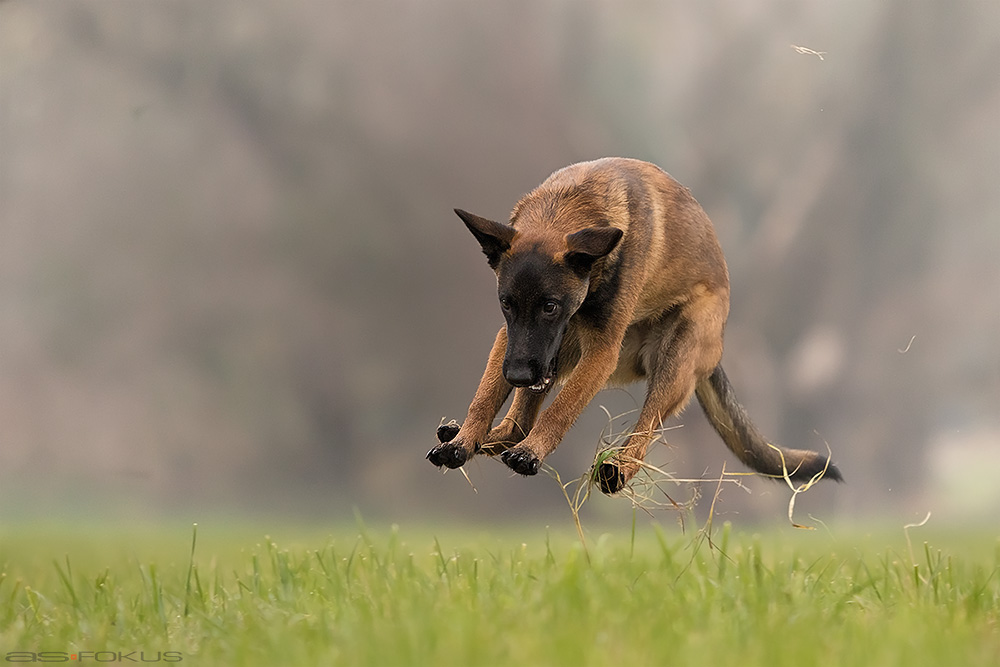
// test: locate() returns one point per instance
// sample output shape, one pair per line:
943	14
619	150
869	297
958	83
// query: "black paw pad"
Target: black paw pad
522	462
447	432
449	455
610	478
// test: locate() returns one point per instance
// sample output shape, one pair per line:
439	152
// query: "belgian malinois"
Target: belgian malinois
608	272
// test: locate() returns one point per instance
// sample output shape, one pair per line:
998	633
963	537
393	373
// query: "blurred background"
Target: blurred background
231	280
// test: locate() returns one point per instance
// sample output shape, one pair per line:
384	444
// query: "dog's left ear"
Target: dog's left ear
494	237
588	245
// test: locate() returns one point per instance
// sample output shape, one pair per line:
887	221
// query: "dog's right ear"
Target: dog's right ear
494	237
589	245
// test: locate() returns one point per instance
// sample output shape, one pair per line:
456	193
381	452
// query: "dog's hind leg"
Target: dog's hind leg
689	346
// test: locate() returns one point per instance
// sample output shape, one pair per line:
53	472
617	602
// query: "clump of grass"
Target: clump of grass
647	491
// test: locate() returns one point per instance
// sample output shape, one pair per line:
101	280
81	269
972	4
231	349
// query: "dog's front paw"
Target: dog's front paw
448	454
447	432
521	460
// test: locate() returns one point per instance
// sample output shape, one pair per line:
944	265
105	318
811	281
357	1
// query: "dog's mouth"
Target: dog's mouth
541	386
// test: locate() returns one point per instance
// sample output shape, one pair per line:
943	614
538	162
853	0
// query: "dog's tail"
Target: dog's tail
732	423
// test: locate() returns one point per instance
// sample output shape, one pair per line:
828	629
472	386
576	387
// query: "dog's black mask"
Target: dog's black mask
539	292
538	297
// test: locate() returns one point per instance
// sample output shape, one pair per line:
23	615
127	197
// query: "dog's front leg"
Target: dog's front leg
515	427
589	376
493	391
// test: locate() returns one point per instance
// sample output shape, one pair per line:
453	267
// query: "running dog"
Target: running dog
608	273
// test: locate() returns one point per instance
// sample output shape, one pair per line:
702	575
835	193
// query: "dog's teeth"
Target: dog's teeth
541	384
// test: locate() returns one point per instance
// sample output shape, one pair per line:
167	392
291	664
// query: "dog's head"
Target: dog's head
541	282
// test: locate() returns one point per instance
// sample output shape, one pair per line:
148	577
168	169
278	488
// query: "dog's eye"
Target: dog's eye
549	307
505	303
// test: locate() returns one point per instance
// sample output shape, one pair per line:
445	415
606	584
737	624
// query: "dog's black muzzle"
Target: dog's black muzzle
529	374
532	356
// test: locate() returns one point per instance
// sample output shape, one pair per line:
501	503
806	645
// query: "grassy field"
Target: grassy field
385	597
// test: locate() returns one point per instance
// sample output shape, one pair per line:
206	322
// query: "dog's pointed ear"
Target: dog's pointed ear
494	237
588	245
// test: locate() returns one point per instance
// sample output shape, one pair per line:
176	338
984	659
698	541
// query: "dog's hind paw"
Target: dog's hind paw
521	461
449	455
610	478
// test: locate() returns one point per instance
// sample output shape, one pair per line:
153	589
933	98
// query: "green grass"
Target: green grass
383	597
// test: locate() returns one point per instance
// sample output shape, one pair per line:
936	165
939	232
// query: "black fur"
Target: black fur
589	245
596	309
493	237
527	282
764	459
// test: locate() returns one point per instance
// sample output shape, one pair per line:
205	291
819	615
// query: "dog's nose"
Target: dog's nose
521	374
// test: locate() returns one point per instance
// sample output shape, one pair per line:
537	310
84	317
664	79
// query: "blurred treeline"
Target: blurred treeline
230	275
